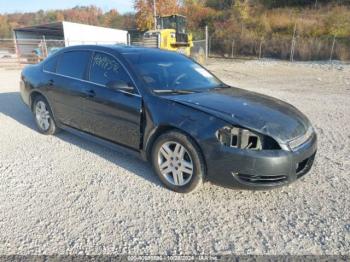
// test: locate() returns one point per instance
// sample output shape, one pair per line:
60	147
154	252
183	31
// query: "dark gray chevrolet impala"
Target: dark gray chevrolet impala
191	126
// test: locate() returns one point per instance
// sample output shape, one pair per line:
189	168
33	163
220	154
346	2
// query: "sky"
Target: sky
10	6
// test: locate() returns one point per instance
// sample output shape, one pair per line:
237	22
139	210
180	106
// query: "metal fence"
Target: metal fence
295	47
16	52
281	47
198	51
26	51
8	54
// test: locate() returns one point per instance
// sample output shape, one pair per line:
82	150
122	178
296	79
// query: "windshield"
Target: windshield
181	25
172	22
171	71
167	22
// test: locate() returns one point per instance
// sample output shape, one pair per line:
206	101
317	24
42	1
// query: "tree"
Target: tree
83	14
144	11
113	19
198	14
220	5
5	30
129	21
338	22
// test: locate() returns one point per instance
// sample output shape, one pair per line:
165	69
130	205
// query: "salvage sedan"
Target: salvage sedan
191	126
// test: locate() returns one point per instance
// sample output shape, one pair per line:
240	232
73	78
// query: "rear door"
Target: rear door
70	88
114	115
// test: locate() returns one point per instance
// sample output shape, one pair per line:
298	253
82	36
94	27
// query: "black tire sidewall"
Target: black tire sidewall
52	128
197	159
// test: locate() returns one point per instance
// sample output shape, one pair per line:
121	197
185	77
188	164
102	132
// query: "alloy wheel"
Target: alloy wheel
42	115
175	163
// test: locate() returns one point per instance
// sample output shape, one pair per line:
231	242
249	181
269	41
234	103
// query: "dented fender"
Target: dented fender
200	125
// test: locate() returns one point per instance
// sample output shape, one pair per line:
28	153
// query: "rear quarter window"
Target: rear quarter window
51	63
73	63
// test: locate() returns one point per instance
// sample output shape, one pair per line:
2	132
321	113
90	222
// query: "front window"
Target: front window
171	71
105	68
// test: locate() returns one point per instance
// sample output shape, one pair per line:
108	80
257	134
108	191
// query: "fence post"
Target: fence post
16	47
332	50
158	41
128	39
260	47
209	52
293	43
45	53
232	47
206	42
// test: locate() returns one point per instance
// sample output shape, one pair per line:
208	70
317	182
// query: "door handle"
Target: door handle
90	93
51	82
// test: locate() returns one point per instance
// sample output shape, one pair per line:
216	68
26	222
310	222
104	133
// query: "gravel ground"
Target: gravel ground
65	195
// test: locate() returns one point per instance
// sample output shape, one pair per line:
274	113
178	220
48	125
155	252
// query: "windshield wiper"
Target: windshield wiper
173	91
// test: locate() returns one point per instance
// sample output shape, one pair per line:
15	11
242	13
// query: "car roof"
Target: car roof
121	49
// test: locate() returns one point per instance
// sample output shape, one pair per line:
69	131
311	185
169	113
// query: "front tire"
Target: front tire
43	116
178	162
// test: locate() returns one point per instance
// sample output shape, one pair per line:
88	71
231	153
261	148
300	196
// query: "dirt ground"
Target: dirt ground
65	195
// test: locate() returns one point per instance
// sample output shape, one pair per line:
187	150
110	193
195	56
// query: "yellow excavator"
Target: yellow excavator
172	33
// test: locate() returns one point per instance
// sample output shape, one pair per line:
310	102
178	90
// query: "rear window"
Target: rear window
51	63
73	63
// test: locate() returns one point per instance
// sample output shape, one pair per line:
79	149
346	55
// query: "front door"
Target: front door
113	115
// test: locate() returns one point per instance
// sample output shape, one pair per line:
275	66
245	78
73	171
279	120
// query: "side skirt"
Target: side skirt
103	142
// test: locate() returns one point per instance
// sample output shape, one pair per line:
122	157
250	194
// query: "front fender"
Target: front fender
163	115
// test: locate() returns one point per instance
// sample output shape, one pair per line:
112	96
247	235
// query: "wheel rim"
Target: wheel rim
175	163
42	115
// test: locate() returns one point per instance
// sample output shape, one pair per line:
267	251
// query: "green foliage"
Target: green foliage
220	5
226	19
338	22
299	3
4	27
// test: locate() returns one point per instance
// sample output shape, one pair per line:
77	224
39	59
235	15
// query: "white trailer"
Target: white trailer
77	34
60	34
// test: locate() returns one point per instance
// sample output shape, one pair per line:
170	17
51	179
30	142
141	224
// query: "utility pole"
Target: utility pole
332	50
155	14
206	43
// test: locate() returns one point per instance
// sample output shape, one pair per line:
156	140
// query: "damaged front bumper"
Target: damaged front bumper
261	169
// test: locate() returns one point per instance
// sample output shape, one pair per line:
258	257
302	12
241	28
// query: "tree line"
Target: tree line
254	18
81	14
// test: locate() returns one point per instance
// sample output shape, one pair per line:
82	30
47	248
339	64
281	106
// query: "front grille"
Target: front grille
262	179
302	139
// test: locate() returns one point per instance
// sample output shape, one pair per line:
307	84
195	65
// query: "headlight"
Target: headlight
302	139
244	139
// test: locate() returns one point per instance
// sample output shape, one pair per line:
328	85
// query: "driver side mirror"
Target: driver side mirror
120	85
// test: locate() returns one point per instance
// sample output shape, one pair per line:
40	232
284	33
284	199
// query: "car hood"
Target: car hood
260	113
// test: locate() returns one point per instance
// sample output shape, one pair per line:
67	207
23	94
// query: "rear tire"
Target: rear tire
43	116
178	162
